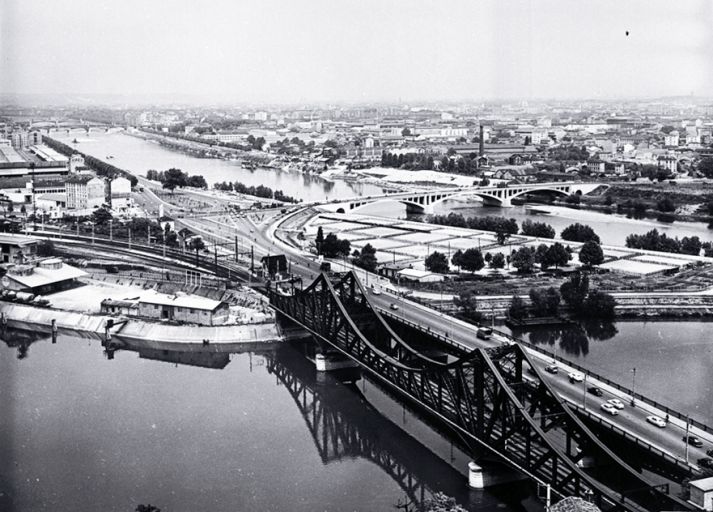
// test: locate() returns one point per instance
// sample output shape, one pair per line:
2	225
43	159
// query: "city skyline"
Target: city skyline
361	52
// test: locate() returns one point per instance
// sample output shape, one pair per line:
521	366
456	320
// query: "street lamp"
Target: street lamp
633	387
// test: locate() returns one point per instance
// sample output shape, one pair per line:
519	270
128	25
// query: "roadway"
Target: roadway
258	230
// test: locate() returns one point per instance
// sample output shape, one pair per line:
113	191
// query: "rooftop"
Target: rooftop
8	238
704	484
181	301
43	276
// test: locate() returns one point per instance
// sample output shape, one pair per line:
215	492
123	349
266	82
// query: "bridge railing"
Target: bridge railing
638	396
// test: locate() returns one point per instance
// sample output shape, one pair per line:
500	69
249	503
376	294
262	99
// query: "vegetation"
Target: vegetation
467	304
579	233
591	254
545	301
593	304
488	223
100	167
259	191
366	258
437	262
553	255
333	247
524	260
538	229
655	241
175	178
411	161
518	309
497	261
472	260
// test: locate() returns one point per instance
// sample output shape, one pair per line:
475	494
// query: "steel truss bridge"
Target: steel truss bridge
484	395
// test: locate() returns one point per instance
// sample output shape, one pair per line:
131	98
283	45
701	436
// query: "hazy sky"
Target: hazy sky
337	50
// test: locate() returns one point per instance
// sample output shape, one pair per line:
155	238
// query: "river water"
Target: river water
139	155
218	432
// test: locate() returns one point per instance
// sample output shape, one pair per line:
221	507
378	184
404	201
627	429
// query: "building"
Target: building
702	493
42	278
192	309
17	248
120	193
419	276
85	192
76	162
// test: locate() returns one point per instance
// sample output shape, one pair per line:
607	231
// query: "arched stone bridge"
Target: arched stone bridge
423	201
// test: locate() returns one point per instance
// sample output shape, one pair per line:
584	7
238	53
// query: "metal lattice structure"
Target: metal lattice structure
483	395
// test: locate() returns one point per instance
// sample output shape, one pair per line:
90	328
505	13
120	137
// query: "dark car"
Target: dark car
693	441
706	462
595	391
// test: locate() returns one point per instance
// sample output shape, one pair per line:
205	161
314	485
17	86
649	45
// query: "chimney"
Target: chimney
481	150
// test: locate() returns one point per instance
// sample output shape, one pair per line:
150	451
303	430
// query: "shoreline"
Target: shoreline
138	329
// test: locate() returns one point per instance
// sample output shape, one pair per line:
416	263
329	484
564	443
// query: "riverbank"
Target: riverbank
179	335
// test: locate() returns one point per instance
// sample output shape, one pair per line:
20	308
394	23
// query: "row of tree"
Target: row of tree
259	191
100	167
655	241
175	178
411	161
574	233
579	298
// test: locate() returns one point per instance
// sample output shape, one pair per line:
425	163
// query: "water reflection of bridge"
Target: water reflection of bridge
343	424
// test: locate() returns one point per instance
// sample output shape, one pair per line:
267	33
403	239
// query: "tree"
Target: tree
538	229
197	181
541	256
333	247
523	260
196	244
705	167
591	254
319	240
574	291
497	261
600	305
101	216
366	259
174	178
467	304
406	132
518	309
545	302
472	260
665	204
691	245
579	233
558	255
457	259
437	262
502	236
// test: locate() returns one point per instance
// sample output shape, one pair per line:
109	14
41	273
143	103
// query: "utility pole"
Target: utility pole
688	428
129	238
215	257
34	203
584	392
633	387
111	230
236	248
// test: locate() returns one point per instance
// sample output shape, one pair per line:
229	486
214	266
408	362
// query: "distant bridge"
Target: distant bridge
422	202
483	394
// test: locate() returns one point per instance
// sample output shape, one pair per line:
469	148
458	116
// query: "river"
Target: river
211	431
138	156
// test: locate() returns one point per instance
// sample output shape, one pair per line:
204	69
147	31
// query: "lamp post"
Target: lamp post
633	387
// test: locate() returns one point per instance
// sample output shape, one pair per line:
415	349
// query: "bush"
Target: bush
579	233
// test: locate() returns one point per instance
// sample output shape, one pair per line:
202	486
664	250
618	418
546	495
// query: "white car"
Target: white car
375	291
616	403
609	409
655	420
575	376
